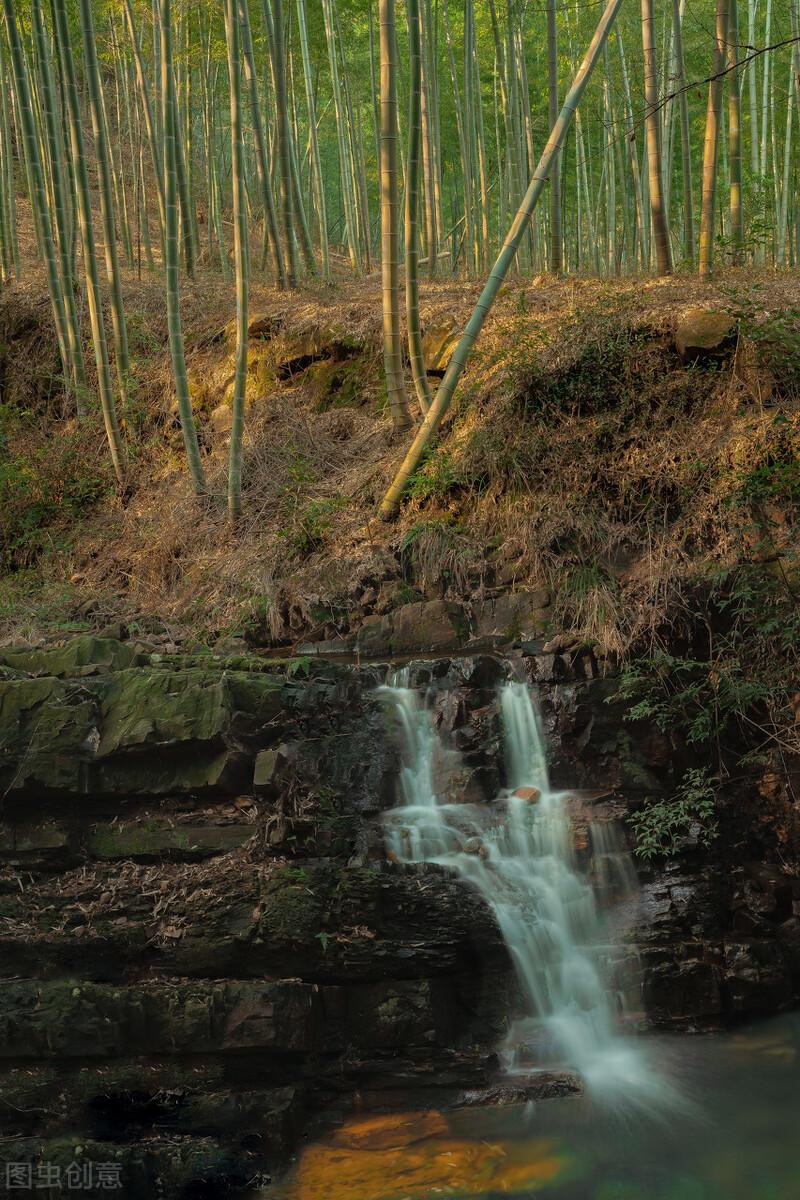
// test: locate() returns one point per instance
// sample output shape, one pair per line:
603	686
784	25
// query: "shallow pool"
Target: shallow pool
734	1135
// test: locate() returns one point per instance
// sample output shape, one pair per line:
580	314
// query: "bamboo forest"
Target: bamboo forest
399	577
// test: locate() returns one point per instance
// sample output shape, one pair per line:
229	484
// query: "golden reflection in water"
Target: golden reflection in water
411	1156
776	1044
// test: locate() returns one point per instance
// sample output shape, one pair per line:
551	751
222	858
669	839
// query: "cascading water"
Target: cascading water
518	854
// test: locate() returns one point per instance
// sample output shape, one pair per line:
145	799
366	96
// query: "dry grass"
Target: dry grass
613	506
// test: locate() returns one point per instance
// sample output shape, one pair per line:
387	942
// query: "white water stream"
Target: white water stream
518	853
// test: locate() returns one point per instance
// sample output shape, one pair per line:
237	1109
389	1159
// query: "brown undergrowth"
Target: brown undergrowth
582	455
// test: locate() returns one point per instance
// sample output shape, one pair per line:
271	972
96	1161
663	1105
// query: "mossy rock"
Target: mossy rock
182	842
84	655
68	1019
137	730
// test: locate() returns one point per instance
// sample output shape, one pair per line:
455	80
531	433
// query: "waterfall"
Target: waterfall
517	852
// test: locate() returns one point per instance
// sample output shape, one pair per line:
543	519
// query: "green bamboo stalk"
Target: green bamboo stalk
278	58
240	254
172	253
652	123
153	136
711	143
686	141
483	173
262	153
115	145
316	161
552	114
735	132
412	210
9	179
390	269
428	165
95	303
299	207
60	209
38	194
437	410
103	158
752	78
470	152
460	133
345	174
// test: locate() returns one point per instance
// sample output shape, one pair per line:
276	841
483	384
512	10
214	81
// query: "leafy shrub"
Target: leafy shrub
435	477
662	825
775	335
312	524
43	488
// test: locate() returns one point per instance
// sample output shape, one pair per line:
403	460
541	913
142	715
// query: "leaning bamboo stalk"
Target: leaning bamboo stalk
441	403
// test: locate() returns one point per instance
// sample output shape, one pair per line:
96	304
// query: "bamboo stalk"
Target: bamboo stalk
104	386
390	268
172	253
240	255
391	501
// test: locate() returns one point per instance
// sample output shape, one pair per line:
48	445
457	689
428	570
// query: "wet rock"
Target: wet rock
390	1131
544	1085
682	992
530	794
474	845
756	979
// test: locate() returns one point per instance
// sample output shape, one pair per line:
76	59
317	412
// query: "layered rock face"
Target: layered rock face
203	944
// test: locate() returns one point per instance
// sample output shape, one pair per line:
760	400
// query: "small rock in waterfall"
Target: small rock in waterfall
531	794
474	845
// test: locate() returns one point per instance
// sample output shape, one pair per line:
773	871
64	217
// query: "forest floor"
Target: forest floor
584	454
